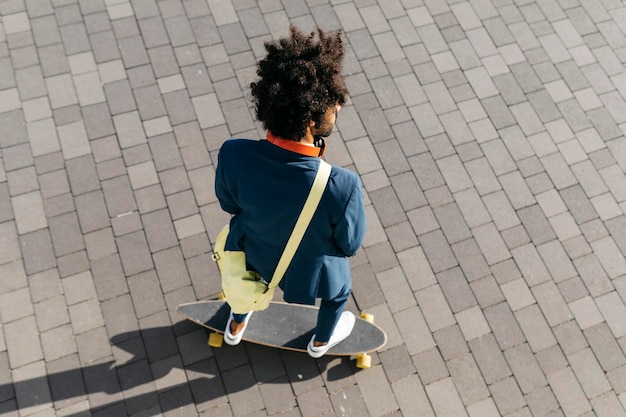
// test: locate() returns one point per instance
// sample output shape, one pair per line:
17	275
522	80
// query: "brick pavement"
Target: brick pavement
489	135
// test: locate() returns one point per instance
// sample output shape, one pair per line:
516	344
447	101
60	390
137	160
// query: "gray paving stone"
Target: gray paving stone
487	291
37	251
314	401
111	169
444	398
73	263
604	123
163	61
536	329
97	22
178	399
451	342
79	288
205	30
119	97
589	374
350	399
439	196
131	376
133	252
531	265
99	244
17	157
542	401
501	210
437	251
123	25
32	381
456	290
572	112
396	289
616	378
68	14
592	274
118	314
503	324
149	199
430	366
568	392
200	386
368	384
525	368
98	122
468	380
108	277
23	57
22	181
45	30
13	130
507	395
56	206
6	211
65	233
91	211
604	347
85	316
7	392
24	348
153	31
30	82
145	294
126	223
171	270
16	305
75	38
179	107
491	244
536	224
387	206
53	60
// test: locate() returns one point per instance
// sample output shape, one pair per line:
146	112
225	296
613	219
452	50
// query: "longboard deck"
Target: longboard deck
285	326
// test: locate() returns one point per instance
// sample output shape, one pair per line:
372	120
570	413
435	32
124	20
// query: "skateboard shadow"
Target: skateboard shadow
150	356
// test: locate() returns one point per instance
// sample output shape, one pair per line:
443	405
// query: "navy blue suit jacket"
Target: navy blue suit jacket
264	186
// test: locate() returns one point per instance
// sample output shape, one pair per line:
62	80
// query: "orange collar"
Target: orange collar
296	147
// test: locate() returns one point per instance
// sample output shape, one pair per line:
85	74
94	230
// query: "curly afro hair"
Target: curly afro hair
299	80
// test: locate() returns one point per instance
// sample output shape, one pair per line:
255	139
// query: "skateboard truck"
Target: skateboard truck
216	340
363	360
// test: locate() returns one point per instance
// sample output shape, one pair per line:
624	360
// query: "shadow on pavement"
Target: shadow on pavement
144	382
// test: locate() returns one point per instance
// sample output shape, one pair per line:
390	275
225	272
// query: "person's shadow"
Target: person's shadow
152	354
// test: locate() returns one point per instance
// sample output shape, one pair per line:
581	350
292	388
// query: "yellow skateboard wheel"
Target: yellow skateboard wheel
367	317
363	361
221	296
216	340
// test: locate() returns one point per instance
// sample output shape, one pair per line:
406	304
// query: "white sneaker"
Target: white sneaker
228	337
342	330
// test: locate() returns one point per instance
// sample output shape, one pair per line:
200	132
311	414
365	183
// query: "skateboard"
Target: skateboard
286	326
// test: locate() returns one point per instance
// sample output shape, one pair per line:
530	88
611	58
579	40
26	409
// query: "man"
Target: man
264	184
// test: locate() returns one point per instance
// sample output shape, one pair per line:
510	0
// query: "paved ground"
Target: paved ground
489	135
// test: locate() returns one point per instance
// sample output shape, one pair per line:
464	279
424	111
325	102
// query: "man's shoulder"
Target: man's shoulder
239	143
344	178
237	148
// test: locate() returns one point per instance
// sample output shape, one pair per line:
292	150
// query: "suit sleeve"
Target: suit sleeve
350	230
222	191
